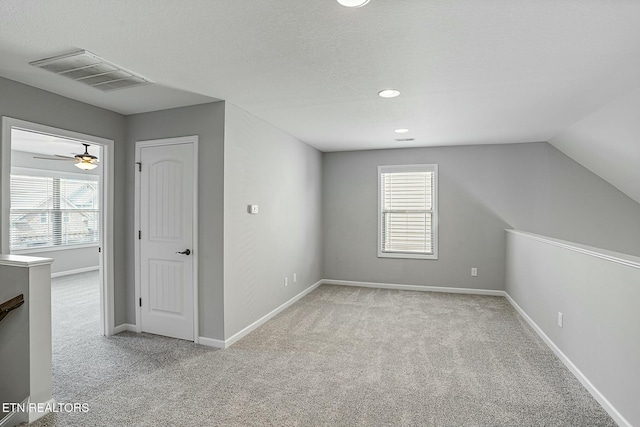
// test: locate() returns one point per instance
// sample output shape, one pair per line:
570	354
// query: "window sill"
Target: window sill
403	255
53	248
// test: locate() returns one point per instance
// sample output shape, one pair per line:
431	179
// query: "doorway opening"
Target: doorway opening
54	207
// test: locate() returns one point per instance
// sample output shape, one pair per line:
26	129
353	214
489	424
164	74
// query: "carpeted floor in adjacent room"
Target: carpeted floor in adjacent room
340	356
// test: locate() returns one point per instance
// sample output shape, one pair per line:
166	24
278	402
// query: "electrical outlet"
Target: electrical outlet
474	271
286	281
560	319
295	278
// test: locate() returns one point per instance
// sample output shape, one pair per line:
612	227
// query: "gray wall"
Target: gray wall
267	167
482	191
206	121
606	142
599	301
69	260
24	102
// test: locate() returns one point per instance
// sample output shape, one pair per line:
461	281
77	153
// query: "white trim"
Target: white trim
611	410
5	184
409	168
9	419
491	292
617	257
228	342
107	186
30	416
125	327
21	170
23	260
244	332
210	342
44	249
136	241
190	139
35	415
76	271
194	243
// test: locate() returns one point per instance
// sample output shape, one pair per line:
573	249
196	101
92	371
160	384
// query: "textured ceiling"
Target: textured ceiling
48	145
469	72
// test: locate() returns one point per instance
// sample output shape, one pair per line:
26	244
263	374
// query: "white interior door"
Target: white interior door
166	239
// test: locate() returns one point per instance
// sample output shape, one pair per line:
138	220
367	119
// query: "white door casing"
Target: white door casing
106	256
167	290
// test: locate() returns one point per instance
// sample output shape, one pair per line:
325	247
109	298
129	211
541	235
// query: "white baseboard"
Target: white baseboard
613	412
125	327
76	271
210	342
228	342
35	415
377	285
15	418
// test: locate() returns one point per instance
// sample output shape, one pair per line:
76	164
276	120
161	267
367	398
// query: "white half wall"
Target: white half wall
597	292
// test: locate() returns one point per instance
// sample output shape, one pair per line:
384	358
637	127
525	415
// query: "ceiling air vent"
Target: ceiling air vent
405	139
88	68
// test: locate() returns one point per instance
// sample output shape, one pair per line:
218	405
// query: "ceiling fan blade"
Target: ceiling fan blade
64	159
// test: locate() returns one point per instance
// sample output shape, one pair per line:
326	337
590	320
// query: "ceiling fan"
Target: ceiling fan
84	161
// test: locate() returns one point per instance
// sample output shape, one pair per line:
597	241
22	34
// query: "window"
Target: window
408	211
52	211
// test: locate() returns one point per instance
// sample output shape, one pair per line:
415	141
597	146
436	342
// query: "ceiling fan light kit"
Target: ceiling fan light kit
84	161
86	166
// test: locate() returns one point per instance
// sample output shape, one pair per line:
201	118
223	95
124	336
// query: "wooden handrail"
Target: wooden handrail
11	305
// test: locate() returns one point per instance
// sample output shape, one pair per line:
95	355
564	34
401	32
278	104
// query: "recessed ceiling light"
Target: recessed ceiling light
353	3
389	93
402	130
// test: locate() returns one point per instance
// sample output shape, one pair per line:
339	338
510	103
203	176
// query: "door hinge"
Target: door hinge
140	302
139	235
139	166
99	249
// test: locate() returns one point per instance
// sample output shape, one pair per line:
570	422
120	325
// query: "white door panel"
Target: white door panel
166	225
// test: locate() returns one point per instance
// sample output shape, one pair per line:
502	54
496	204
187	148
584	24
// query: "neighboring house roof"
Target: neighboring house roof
83	197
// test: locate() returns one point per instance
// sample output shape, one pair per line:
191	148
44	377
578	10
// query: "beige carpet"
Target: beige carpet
340	356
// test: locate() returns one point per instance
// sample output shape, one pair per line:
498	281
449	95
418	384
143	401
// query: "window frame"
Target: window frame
404	169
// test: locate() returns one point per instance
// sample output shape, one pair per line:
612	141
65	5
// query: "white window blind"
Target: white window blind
408	214
51	211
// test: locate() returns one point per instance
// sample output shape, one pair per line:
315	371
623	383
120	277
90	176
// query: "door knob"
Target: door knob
185	252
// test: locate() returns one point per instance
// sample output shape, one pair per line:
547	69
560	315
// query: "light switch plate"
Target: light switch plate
252	209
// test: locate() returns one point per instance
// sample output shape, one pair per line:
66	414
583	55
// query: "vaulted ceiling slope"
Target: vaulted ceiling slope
493	71
608	143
